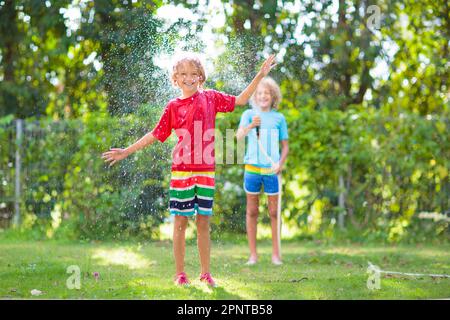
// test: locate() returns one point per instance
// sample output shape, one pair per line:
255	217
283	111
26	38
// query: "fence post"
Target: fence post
341	217
19	129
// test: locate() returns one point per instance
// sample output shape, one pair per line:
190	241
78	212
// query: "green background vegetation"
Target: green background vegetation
385	137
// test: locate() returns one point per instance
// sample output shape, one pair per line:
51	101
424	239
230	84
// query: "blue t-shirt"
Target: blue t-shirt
273	129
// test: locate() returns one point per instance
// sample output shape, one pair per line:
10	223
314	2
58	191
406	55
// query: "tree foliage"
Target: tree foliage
366	96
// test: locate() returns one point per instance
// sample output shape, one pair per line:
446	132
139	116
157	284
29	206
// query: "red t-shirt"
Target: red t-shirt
193	120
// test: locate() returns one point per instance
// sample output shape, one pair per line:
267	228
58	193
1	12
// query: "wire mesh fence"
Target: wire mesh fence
25	170
52	171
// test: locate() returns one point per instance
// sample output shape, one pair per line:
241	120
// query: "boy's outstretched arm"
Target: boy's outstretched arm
117	154
143	142
245	95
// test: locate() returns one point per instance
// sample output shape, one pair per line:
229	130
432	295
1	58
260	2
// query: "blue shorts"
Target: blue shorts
253	183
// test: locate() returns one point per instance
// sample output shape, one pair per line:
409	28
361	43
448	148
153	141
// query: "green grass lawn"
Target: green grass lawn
145	271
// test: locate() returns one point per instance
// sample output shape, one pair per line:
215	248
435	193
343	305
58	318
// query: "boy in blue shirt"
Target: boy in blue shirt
262	166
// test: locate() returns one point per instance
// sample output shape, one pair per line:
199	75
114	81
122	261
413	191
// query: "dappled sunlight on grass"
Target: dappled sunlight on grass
398	256
123	257
238	288
203	287
403	287
361	249
164	288
132	271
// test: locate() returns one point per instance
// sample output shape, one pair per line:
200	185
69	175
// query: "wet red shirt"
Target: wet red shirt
193	120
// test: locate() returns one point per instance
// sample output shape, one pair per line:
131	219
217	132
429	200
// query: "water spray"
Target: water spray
409	274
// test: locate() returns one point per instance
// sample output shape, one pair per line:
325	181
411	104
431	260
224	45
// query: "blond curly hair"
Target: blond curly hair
275	91
193	60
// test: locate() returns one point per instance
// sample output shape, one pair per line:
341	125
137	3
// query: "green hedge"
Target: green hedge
393	167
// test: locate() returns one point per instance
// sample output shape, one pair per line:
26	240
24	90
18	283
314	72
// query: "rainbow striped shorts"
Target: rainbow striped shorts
256	177
191	193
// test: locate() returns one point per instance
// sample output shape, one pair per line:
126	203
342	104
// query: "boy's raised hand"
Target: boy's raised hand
245	95
268	65
114	155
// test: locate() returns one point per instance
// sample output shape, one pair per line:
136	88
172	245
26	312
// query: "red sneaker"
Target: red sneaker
181	279
206	277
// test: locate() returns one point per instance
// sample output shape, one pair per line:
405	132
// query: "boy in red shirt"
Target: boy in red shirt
192	116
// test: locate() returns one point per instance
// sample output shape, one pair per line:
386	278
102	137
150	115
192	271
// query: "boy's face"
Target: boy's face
187	78
263	97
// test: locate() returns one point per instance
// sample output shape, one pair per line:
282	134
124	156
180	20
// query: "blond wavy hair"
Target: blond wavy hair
275	91
194	61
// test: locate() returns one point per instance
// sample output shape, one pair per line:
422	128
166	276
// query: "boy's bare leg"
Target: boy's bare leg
273	212
179	243
203	242
251	223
